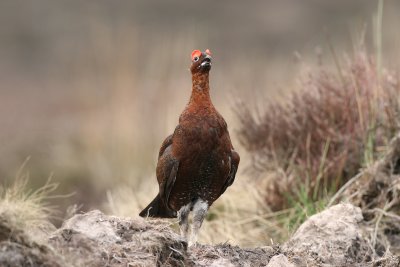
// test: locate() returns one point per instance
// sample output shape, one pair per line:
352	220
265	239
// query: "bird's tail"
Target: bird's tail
157	209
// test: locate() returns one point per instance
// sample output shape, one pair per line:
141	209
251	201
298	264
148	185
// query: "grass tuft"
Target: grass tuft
24	207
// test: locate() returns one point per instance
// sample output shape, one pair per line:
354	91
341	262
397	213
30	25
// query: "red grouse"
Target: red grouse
197	162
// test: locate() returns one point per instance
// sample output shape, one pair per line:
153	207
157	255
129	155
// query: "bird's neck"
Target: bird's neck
200	89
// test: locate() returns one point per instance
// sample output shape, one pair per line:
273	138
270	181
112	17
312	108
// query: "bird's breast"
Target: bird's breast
201	137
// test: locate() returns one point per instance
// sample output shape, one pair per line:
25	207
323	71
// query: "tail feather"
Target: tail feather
157	209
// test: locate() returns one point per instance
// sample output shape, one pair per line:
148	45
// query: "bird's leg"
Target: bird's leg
200	209
183	217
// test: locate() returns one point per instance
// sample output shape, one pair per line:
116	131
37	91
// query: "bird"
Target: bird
197	163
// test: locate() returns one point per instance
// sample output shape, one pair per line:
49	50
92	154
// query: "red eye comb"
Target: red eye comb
196	53
208	52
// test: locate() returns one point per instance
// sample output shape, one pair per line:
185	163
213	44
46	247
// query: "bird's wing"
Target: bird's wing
167	168
234	160
167	142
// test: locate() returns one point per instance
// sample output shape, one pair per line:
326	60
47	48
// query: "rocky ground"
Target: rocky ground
334	237
362	230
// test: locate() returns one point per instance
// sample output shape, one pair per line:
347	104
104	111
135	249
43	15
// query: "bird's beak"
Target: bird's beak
206	63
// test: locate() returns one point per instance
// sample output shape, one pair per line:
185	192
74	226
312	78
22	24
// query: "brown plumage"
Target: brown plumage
197	162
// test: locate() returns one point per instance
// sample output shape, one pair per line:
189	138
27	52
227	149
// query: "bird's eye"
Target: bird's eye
195	55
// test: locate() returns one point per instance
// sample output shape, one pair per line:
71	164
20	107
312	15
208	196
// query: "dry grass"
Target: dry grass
24	225
23	207
376	190
324	133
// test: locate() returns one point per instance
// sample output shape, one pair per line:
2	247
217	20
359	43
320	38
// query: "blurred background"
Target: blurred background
90	89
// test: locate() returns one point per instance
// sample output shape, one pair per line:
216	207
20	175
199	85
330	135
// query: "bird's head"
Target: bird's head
201	61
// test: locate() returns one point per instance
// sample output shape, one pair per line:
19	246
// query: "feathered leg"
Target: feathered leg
183	217
200	209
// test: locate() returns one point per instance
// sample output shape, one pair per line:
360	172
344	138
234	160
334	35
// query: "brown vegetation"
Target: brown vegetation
326	131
